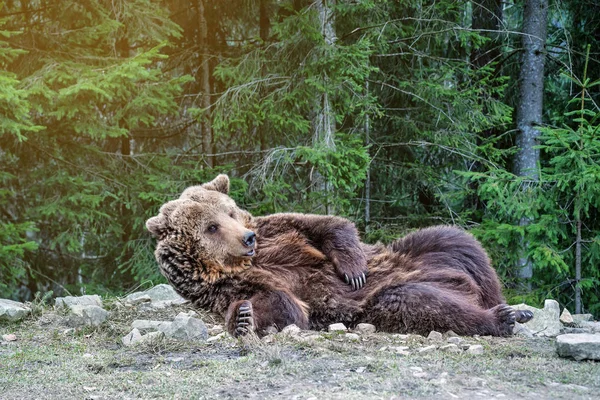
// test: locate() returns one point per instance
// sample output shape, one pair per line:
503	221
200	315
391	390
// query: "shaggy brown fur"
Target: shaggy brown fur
438	278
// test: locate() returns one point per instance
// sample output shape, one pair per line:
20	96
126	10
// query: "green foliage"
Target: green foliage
565	194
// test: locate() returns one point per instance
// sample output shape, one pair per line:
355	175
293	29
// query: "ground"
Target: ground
49	361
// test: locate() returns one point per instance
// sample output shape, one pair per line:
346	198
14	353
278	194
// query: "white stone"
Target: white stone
12	310
11	337
186	328
365	329
352	336
427	349
546	321
70	301
522	330
158	293
577	318
451	348
337	328
566	317
132	337
291	330
454	340
475	349
152	338
580	346
144	324
435	336
216	337
215	330
88	315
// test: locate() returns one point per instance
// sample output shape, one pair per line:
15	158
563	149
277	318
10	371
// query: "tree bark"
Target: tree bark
324	120
530	107
203	79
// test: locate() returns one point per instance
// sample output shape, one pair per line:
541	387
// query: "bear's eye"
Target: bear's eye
232	214
212	228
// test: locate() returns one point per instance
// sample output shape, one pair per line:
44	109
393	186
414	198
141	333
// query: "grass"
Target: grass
51	361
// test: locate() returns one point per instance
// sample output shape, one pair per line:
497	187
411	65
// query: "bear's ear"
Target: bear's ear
157	225
220	184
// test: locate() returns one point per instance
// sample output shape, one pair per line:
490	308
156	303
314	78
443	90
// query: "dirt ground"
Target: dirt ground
50	361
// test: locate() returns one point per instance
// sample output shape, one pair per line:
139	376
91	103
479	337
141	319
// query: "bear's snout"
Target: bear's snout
249	239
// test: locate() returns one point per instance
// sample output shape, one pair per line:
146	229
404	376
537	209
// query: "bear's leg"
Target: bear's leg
421	308
264	310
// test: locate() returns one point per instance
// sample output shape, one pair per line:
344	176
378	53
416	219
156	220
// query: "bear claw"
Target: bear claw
506	317
245	320
356	283
523	316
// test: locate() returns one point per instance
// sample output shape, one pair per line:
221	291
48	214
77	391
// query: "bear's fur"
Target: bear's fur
438	278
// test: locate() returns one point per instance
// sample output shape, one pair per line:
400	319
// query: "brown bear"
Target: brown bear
311	270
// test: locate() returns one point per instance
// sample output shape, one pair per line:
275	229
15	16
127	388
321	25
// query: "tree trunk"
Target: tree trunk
264	25
368	179
324	120
203	79
529	109
578	269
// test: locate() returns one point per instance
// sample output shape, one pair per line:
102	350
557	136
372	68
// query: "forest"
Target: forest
397	114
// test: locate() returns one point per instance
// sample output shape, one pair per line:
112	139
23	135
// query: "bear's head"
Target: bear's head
207	229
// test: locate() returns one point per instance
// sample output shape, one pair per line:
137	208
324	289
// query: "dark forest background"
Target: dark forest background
395	114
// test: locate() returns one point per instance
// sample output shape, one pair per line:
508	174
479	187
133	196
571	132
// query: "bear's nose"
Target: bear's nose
249	239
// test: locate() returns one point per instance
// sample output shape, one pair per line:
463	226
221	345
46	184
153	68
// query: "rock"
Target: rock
291	330
144	324
337	328
427	349
580	346
352	337
590	326
545	322
522	330
310	338
365	329
152	338
451	348
143	298
132	337
401	350
435	336
576	330
215	330
454	340
157	297
216	337
566	317
475	349
577	318
451	334
271	330
11	337
70	301
12	310
87	315
186	328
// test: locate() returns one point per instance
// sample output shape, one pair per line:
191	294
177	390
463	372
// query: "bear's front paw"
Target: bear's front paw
506	317
352	268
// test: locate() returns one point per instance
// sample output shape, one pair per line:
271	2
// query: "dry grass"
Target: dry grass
51	361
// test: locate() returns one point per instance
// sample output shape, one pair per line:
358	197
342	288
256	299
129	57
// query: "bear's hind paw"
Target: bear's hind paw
523	316
506	317
245	319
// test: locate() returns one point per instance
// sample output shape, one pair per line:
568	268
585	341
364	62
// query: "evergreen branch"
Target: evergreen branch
413	95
